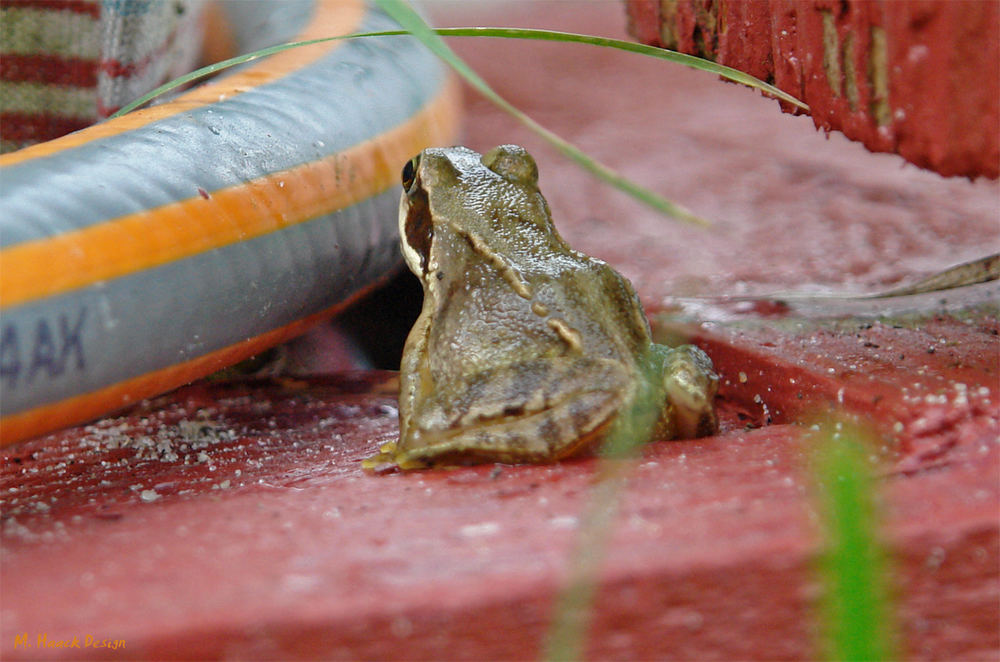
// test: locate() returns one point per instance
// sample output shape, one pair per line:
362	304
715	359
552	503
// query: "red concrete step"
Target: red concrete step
233	519
923	383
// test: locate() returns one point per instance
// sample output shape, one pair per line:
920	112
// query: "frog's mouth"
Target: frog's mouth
415	228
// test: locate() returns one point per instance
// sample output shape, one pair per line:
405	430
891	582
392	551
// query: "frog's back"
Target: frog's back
597	301
581	308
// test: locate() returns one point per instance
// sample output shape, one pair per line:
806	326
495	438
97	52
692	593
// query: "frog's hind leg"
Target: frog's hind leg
536	411
543	437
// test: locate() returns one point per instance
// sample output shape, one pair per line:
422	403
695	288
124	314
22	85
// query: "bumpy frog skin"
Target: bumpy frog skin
525	350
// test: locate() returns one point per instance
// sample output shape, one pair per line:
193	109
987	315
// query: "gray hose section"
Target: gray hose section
100	335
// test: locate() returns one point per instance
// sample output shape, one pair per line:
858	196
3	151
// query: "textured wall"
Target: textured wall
918	78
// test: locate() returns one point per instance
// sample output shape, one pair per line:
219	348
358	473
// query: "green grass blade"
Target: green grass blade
211	69
980	270
573	609
409	20
733	75
414	25
855	610
690	61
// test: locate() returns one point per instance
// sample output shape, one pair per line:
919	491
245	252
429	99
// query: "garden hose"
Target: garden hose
150	250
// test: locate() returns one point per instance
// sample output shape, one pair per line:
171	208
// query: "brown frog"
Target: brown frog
525	349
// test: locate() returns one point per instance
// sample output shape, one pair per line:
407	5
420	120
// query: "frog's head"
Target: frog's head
454	196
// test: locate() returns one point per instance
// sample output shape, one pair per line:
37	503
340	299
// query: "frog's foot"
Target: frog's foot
690	384
382	461
391	458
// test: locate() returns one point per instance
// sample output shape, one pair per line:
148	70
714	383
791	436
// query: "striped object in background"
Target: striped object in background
65	64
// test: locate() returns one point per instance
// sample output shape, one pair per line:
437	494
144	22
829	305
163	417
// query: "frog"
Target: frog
525	350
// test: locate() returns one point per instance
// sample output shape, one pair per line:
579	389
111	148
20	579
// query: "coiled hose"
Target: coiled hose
147	251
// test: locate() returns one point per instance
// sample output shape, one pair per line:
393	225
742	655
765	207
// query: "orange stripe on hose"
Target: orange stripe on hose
46	267
330	19
80	408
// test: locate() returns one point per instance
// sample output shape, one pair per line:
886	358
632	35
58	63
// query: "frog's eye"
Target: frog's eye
417	229
410	172
512	162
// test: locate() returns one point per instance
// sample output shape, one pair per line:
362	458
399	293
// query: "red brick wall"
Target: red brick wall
915	77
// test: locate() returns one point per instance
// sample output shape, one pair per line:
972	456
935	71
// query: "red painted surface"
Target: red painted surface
924	388
233	520
237	516
918	78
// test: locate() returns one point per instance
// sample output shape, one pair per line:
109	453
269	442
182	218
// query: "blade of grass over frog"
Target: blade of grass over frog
410	20
418	28
855	610
733	75
691	61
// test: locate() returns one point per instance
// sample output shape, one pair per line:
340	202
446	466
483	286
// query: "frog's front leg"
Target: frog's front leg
534	411
689	385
